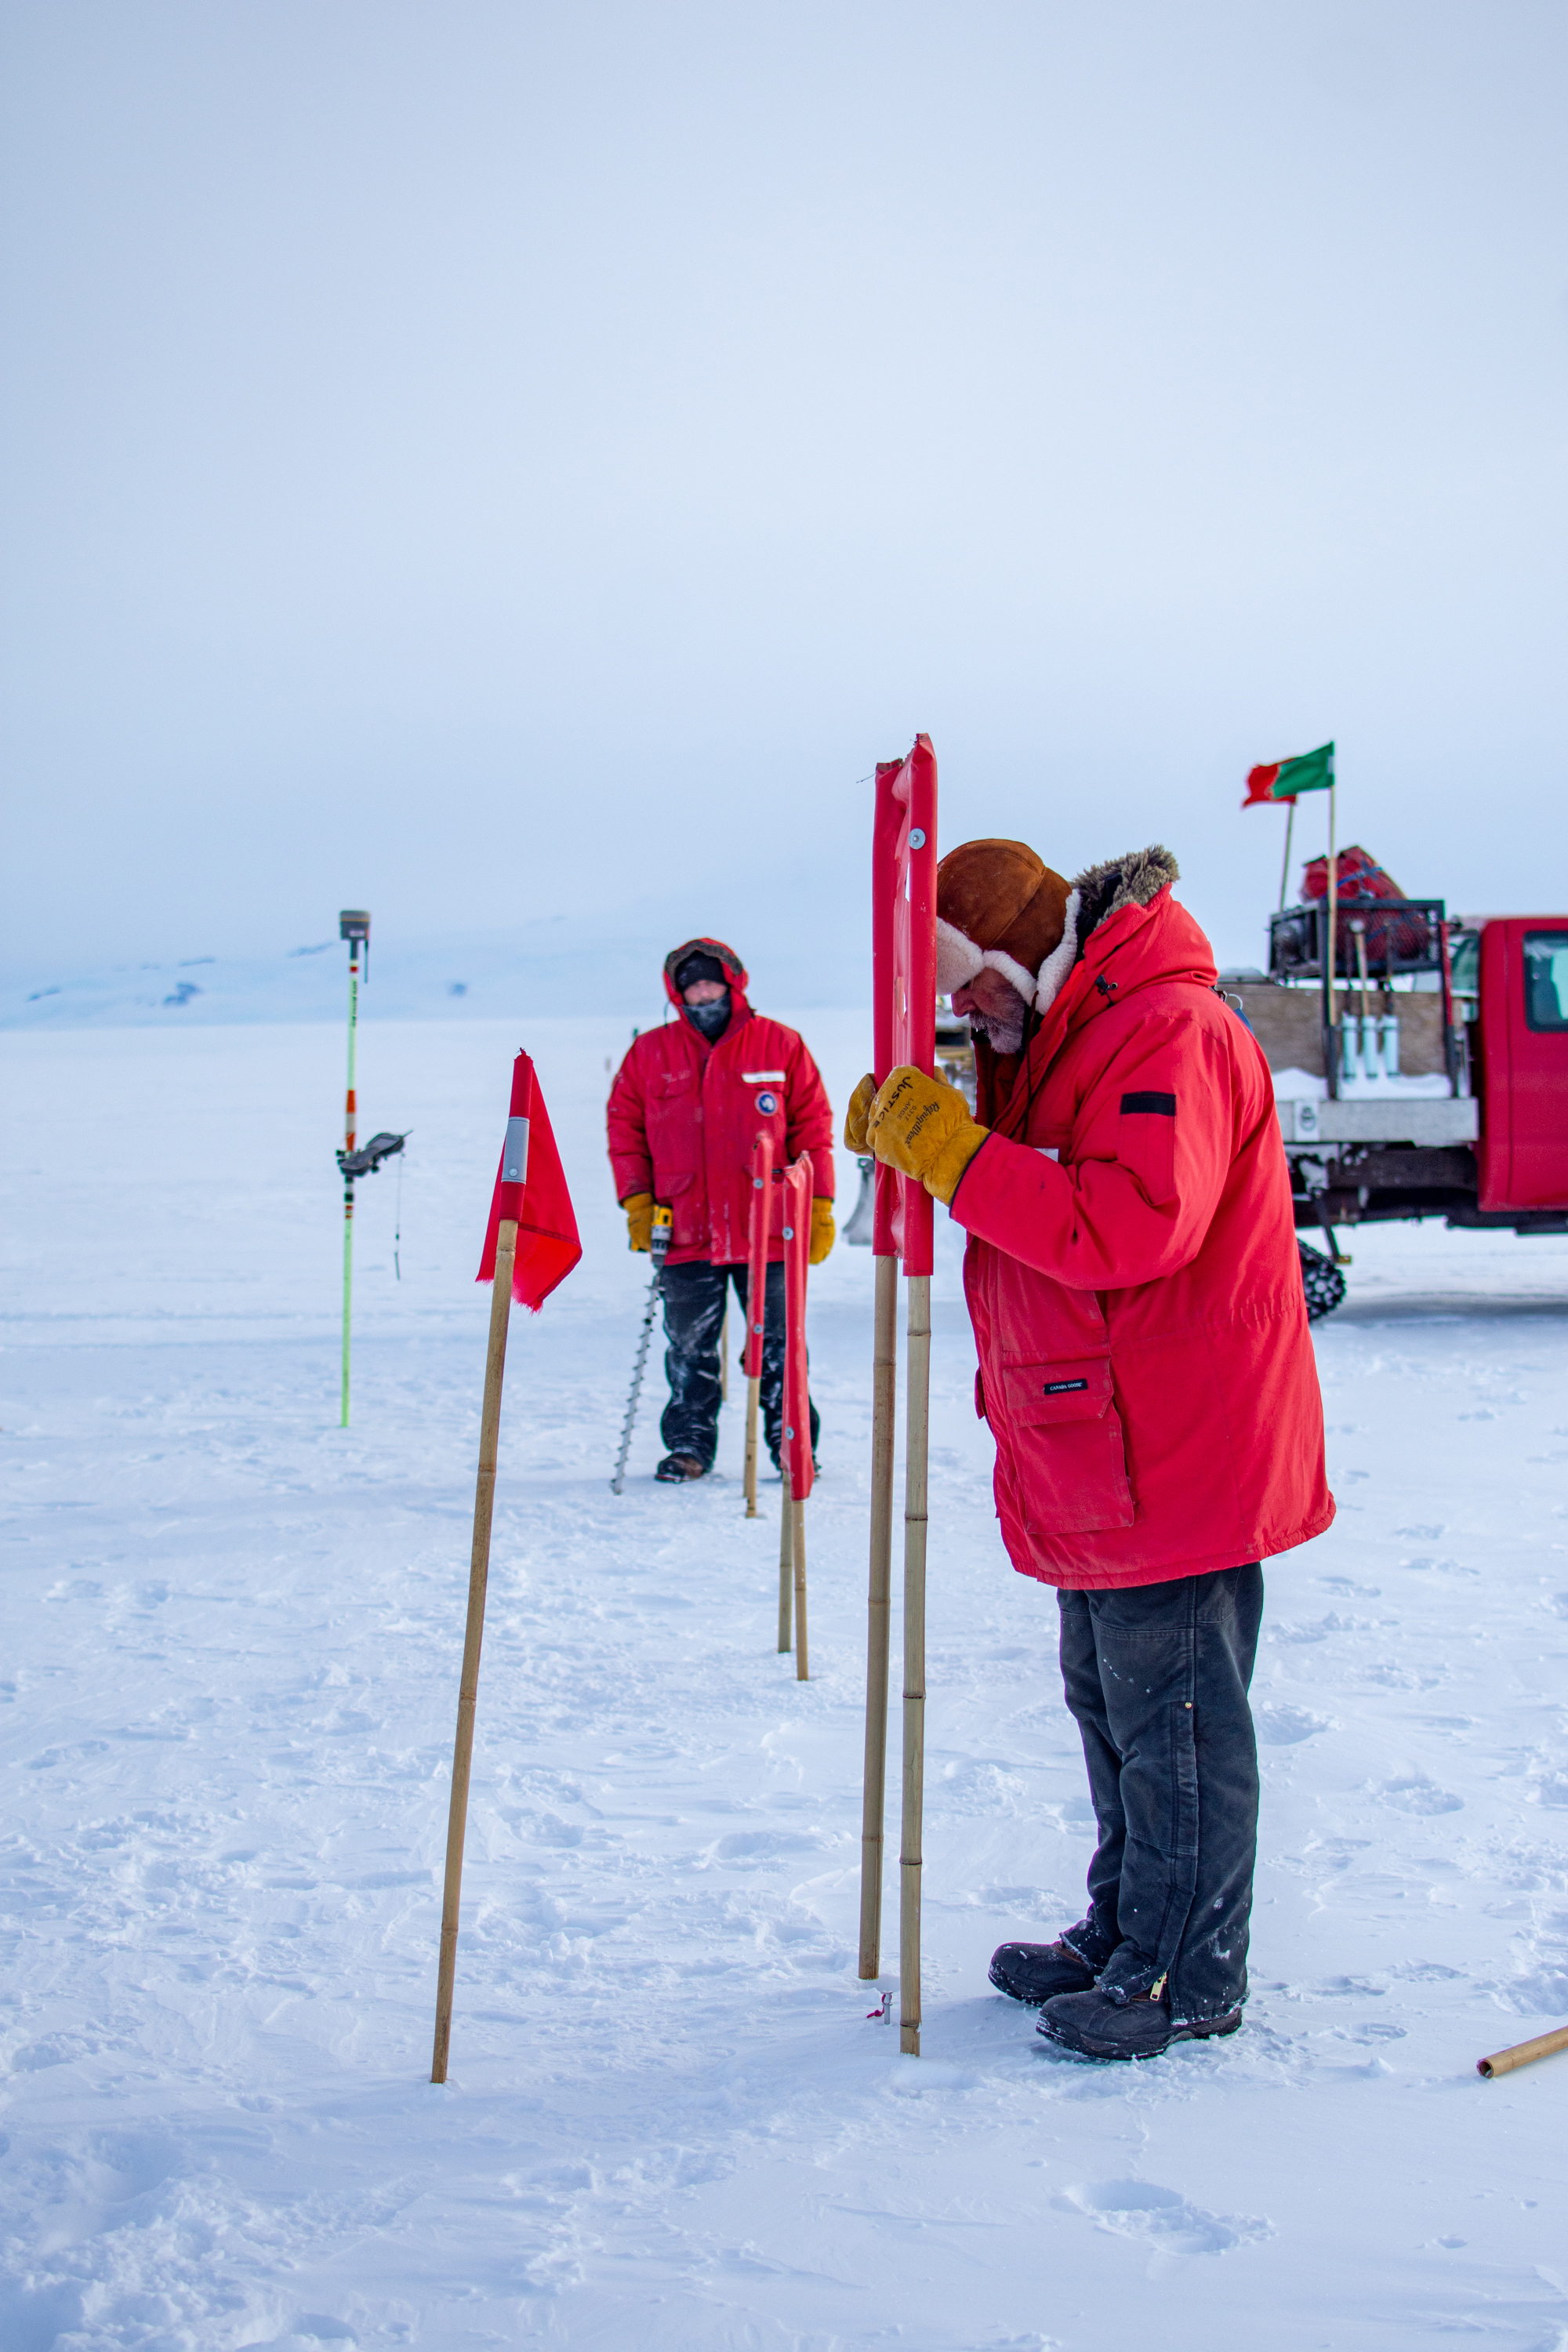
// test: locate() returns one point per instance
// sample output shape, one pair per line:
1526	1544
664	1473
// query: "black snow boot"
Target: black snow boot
676	1467
1036	1972
1093	2025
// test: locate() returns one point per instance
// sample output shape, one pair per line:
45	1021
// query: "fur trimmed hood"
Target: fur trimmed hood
735	974
1133	880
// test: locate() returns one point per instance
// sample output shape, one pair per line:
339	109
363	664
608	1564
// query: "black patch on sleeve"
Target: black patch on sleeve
1062	1388
1165	1105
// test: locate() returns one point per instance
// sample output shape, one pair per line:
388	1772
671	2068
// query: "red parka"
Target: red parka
683	1113
1133	1279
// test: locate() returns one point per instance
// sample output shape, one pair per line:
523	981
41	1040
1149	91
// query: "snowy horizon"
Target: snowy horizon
226	1707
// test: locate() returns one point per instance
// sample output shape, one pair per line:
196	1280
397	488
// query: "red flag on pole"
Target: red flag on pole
759	1229
796	1449
531	1187
903	959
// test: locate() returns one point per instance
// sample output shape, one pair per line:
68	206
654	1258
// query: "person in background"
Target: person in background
1145	1367
686	1106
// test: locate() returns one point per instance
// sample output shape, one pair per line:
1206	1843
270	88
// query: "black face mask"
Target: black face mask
711	1019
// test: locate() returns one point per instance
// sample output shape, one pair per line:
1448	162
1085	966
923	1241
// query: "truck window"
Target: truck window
1465	960
1546	979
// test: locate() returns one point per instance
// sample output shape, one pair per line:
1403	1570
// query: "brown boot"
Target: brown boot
676	1468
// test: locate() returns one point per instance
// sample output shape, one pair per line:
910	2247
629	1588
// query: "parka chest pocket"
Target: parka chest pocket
673	1112
1146	1141
1065	1437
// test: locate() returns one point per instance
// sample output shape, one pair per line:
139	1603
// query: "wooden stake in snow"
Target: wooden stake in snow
473	1635
873	1805
1523	2053
903	950
794	1446
532	1201
786	1568
918	1368
759	1226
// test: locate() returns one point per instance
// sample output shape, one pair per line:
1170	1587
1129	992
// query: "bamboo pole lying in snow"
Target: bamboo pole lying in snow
1522	2054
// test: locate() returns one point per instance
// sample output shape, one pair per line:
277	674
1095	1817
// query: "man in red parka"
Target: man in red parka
1145	1367
687	1105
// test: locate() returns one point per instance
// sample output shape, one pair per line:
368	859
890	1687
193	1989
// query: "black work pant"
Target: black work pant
1156	1676
694	1297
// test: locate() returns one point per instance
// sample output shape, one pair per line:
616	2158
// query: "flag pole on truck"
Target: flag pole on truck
903	947
1282	780
531	1246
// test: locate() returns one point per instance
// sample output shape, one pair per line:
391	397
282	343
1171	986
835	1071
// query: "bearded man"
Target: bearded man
1145	1367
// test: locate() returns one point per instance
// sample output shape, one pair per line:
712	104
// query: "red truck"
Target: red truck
1428	1078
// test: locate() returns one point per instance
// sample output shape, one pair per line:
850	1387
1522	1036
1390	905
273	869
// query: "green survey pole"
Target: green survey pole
353	924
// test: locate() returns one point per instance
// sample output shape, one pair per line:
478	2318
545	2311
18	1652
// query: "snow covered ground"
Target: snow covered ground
230	1659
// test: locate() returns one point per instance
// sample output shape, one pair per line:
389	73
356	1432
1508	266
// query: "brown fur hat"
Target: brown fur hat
998	904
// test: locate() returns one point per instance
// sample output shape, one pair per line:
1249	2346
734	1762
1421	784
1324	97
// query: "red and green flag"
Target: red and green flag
1282	780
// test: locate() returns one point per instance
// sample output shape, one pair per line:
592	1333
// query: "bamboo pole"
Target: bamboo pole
468	1689
918	1374
725	1356
797	1549
786	1563
873	1804
752	1387
1522	2054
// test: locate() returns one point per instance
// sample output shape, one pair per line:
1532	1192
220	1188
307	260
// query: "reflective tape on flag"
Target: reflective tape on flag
514	1155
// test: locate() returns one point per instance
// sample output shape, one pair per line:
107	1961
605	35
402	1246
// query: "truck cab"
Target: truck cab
1425	1075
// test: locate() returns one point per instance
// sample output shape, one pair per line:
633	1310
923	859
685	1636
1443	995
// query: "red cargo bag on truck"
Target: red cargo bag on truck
1399	939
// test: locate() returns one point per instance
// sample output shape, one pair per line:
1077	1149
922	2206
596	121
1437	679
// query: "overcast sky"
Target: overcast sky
484	461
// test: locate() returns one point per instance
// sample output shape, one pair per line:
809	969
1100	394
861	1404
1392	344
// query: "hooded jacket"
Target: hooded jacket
1131	1270
683	1113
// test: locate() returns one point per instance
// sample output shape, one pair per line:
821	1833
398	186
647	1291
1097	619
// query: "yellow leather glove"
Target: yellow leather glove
922	1127
823	1229
638	1207
855	1118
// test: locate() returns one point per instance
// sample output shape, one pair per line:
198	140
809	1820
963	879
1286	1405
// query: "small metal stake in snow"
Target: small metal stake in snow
353	924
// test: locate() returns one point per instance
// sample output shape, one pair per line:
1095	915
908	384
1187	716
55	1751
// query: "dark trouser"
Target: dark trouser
1157	1677
694	1297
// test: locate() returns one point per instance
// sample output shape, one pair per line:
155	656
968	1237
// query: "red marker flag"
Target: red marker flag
796	1448
903	975
531	1187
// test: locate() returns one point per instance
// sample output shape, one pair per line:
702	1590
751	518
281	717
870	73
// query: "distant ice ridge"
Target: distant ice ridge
562	966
